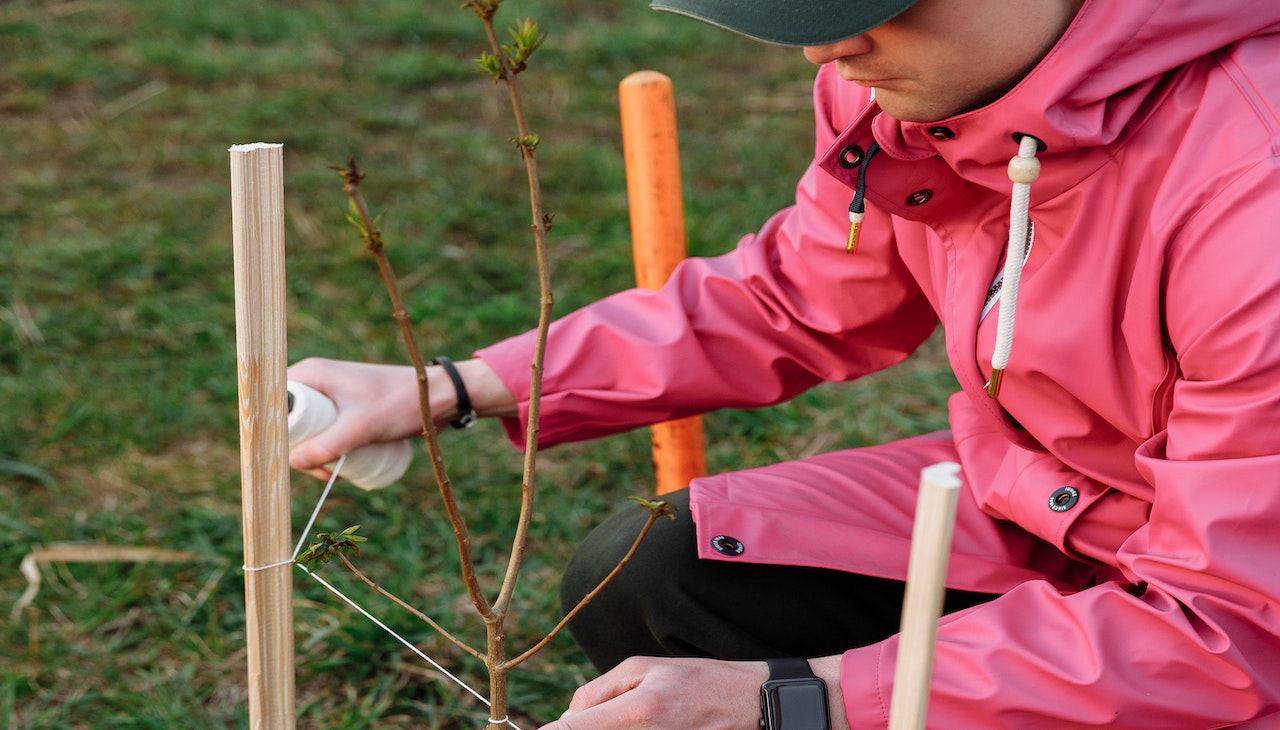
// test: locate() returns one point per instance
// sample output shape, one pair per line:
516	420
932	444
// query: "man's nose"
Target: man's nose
854	46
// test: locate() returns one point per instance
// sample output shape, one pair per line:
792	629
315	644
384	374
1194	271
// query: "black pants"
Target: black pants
668	602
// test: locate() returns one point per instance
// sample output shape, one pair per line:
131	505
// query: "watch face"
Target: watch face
803	707
796	704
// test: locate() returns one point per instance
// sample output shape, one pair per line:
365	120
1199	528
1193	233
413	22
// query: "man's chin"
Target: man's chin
907	107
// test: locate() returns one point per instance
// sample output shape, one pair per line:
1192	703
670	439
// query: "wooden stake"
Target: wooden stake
926	585
257	221
652	159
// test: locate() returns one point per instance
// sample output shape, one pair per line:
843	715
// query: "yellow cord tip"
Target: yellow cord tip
993	385
854	229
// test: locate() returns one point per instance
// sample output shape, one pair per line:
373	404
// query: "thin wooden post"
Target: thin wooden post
652	159
926	585
257	221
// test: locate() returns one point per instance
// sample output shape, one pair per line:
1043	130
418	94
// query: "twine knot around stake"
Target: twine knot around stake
256	568
297	549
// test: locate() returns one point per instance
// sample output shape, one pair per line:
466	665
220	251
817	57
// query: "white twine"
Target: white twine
297	549
406	643
315	513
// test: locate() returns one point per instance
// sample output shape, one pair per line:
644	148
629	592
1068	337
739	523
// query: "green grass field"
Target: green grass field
118	416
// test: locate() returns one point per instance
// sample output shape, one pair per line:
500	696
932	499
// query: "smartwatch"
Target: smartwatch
793	698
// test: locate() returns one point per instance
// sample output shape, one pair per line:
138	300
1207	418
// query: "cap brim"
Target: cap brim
807	23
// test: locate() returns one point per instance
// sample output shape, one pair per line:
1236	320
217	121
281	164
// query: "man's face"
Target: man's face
940	58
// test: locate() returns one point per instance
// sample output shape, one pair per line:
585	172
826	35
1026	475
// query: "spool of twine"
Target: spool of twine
369	467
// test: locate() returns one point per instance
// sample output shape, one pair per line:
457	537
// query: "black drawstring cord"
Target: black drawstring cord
858	206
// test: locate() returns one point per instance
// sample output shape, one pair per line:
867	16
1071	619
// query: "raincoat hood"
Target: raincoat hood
1091	87
1093	82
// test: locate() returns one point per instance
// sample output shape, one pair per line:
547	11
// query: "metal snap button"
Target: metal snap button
726	545
919	197
941	133
1063	499
851	156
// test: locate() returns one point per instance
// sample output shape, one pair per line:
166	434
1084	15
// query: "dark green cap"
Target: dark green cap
790	22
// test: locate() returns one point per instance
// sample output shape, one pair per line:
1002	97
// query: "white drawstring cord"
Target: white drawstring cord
1023	170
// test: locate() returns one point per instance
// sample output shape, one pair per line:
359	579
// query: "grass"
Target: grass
118	420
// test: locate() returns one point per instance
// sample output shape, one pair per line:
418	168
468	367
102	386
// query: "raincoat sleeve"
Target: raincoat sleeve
785	310
1191	636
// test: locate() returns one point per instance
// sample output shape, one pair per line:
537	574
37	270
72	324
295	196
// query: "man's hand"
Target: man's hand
375	403
647	693
378	403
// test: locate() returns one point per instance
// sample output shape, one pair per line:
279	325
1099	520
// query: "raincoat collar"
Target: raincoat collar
1092	90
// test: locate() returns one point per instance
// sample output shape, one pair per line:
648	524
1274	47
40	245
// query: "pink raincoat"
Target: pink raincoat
1123	491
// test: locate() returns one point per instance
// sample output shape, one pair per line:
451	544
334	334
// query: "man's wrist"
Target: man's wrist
828	668
489	395
466	412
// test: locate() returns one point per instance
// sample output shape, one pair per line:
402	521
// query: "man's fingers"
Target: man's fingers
589	697
613	683
322	474
560	724
311	455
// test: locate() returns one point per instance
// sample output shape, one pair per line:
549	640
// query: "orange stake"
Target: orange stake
654	195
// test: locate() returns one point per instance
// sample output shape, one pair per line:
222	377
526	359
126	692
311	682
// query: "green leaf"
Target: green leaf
18	469
656	507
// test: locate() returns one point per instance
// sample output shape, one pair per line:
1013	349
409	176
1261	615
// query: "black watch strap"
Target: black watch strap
466	412
789	668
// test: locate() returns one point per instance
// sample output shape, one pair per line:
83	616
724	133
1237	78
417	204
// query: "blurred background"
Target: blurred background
118	414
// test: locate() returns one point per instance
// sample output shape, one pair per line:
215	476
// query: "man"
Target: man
1111	316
